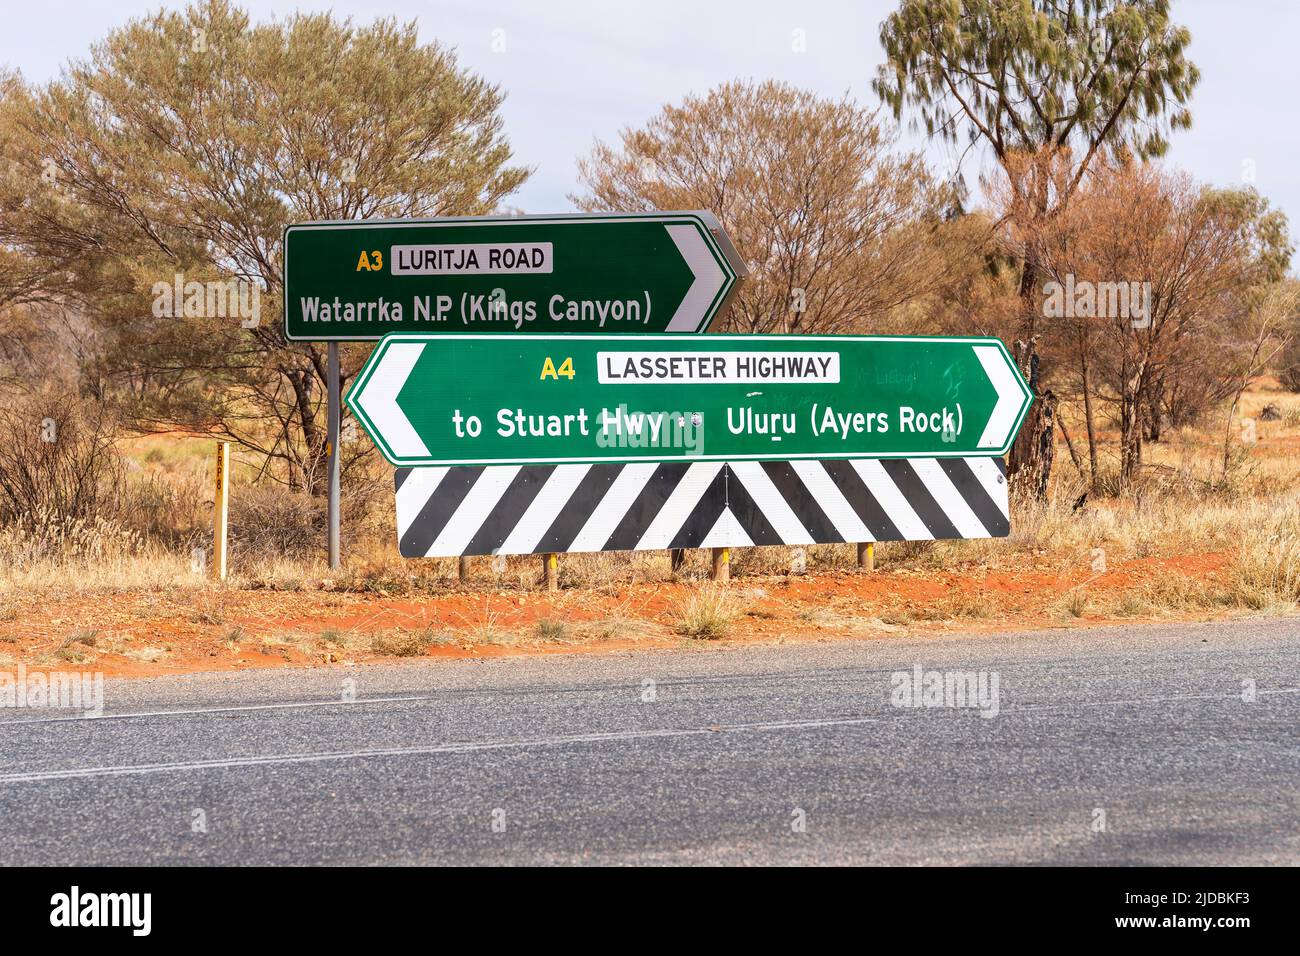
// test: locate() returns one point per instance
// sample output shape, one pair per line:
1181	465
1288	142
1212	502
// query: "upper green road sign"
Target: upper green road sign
602	272
540	399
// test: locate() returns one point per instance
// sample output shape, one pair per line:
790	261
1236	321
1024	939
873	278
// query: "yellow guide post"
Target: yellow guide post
722	564
220	511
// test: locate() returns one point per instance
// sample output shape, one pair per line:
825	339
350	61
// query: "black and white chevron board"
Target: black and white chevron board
538	509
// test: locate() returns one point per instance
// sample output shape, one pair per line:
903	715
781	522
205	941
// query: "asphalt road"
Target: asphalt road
577	759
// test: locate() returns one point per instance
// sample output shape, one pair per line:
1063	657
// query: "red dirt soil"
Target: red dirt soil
223	630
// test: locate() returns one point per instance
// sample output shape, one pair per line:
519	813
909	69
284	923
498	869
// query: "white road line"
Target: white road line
128	770
187	712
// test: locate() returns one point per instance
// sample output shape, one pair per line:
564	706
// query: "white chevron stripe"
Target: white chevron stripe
726	533
832	501
949	498
709	278
1011	391
612	507
473	511
677	509
771	502
556	496
415	491
544	509
878	482
991	477
378	400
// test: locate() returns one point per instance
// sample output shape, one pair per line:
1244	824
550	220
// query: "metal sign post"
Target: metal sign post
333	412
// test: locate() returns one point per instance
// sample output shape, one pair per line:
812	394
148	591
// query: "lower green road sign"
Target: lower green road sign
485	399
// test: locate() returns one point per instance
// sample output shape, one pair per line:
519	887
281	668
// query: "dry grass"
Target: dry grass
1266	569
400	643
975	605
618	626
487	628
551	629
1262	534
708	613
1184	504
841	619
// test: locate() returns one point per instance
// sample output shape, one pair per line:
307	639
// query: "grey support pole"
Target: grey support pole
334	413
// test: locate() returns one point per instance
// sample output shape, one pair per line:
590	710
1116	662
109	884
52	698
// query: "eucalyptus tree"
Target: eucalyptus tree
184	143
1048	86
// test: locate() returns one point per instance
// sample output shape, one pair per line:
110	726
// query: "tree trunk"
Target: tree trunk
1130	439
300	381
1030	459
1155	412
1027	456
1089	418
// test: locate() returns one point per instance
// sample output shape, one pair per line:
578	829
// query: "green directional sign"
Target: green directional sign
486	400
624	273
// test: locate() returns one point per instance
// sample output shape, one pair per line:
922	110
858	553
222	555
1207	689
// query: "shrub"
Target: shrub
271	520
58	459
708	613
399	643
1266	569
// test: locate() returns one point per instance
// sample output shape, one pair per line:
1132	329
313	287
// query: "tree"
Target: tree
1269	332
1061	81
182	147
837	227
1154	294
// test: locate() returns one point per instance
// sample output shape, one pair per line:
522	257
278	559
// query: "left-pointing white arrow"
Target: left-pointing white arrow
378	400
1011	396
709	278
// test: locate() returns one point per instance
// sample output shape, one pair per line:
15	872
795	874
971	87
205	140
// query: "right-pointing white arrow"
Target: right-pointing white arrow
378	400
1011	396
709	278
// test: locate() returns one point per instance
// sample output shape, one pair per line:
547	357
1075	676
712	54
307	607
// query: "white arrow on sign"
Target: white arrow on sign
1011	396
709	278
377	401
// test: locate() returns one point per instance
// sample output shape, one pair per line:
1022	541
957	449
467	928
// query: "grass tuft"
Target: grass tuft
550	629
708	613
399	643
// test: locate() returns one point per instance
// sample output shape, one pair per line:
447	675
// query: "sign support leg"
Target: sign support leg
551	568
722	565
867	555
333	414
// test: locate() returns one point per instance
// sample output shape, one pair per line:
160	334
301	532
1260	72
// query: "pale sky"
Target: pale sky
578	70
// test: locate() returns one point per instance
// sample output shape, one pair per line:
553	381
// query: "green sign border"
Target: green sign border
724	252
373	362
